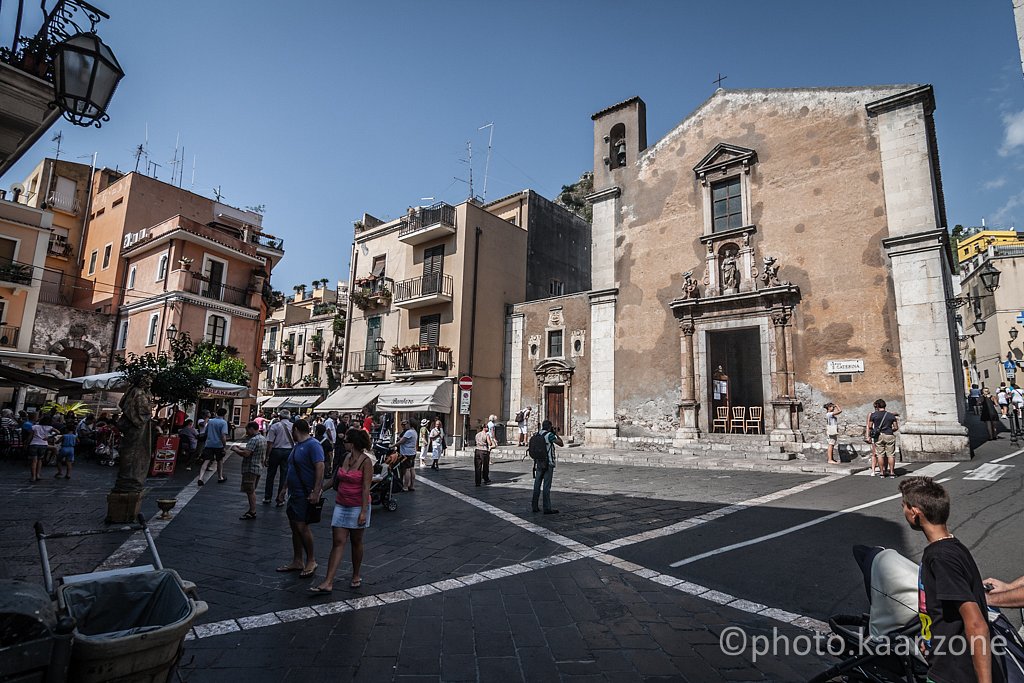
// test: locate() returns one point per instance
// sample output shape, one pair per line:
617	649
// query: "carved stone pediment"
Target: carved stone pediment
554	371
723	158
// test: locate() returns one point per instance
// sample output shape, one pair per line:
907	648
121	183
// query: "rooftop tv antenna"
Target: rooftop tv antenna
57	138
487	164
469	149
176	163
193	188
216	193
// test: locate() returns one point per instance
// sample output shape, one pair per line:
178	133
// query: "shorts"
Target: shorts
67	454
346	517
37	451
406	461
213	454
522	428
249	482
832	440
297	507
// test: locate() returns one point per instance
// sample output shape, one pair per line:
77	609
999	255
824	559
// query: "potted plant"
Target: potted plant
360	299
396	350
317	341
186	263
383	296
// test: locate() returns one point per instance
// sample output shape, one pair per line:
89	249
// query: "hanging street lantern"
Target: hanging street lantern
989	276
86	73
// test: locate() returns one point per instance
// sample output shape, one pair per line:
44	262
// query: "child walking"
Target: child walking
66	457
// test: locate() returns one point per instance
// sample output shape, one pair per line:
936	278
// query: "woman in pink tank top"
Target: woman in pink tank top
351	508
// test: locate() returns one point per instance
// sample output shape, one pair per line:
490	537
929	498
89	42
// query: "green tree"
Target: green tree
175	380
954	242
217	362
573	197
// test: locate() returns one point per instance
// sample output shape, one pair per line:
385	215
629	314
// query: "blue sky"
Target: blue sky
323	110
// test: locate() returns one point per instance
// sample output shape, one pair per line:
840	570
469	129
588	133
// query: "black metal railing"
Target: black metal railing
9	335
18	273
58	246
315	348
425	285
365	361
32	52
219	291
440	213
423	357
268	241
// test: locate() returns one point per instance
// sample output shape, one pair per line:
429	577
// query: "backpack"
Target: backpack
538	447
520	417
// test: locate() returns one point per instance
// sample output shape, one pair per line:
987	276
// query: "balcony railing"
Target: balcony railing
315	349
365	363
434	284
58	246
423	225
31	51
18	273
62	201
219	292
267	241
9	335
424	359
287	351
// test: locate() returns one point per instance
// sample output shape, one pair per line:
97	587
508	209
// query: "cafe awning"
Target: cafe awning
11	376
292	402
114	381
433	396
350	398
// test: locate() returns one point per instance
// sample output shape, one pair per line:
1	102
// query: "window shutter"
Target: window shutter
430	329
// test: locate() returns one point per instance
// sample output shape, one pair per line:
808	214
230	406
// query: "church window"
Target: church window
556	287
727	204
555	344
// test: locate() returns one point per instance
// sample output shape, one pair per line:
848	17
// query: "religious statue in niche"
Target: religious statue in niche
730	271
690	288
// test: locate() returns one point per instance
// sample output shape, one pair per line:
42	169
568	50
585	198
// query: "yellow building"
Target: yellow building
977	240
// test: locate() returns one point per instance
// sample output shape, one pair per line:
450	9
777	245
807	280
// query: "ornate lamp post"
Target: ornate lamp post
172	332
989	276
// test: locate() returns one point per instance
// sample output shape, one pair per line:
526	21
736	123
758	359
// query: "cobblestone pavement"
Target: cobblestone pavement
466	583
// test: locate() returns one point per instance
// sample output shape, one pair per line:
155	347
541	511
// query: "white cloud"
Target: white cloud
994	184
1013	133
1005	214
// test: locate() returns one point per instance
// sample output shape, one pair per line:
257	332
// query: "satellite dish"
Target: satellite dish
18	188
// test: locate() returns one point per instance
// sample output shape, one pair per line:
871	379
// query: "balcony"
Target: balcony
269	355
61	201
287	351
315	349
428	224
15	273
425	360
427	290
9	336
267	242
58	246
219	291
371	292
366	365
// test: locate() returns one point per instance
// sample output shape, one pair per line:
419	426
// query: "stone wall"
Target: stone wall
558	247
58	328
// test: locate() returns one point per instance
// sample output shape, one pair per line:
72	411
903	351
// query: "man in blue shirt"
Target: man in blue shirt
213	451
305	484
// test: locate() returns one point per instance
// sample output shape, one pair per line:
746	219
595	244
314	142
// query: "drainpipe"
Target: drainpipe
472	323
117	317
88	209
353	261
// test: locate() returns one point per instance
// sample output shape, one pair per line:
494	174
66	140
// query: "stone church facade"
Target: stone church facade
776	250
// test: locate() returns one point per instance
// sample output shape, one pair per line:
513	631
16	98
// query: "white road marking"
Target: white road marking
1007	457
787	531
987	472
934	469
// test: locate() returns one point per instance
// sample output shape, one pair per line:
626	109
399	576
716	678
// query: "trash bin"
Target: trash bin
500	434
130	627
35	644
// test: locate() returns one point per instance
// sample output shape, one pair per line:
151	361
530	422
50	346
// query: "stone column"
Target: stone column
689	427
602	428
784	405
515	364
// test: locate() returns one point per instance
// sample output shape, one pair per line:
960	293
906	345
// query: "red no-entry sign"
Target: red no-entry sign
466	383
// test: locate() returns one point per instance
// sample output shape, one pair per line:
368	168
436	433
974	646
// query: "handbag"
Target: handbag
877	431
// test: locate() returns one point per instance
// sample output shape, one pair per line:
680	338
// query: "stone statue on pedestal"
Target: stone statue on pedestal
136	426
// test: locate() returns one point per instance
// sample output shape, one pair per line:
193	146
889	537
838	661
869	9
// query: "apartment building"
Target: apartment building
302	347
162	260
24	235
428	298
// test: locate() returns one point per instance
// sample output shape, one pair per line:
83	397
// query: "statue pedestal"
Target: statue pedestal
123	508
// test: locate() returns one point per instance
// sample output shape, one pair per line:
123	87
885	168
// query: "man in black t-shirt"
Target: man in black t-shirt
951	597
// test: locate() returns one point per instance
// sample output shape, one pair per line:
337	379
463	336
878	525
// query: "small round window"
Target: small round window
577	345
533	349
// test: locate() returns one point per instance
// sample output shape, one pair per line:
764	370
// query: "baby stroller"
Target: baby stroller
108	443
880	647
381	487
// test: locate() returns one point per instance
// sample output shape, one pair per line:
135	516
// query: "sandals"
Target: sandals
221	481
356	584
248	515
289	568
306	573
317	590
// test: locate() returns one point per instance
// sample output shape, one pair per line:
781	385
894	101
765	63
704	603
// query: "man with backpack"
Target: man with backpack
523	421
541	448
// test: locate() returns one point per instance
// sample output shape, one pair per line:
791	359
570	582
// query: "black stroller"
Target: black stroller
382	487
880	647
